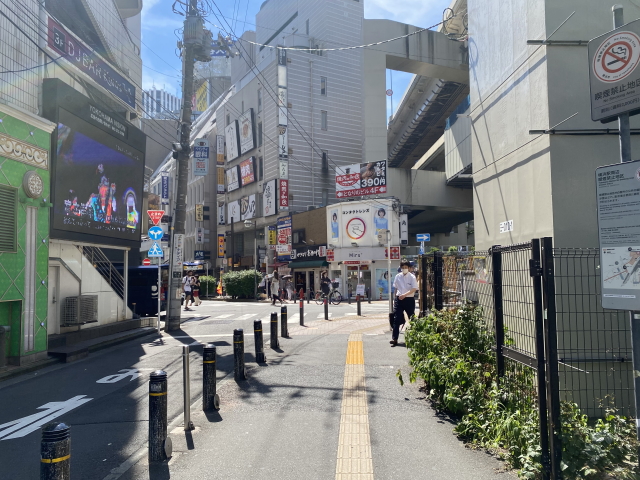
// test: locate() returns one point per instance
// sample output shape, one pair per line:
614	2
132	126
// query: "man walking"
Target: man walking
186	286
405	285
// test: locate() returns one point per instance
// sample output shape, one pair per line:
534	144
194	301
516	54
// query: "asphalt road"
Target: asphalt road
104	397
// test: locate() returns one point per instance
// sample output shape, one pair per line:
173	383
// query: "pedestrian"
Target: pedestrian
405	285
186	287
275	288
289	288
195	288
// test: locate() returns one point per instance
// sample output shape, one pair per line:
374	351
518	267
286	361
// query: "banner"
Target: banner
221	219
273	235
200	157
283	202
269	198
248	207
234	212
221	245
164	187
361	179
220	149
283	246
233	182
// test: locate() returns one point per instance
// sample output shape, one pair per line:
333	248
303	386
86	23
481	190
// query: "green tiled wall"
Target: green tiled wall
12	264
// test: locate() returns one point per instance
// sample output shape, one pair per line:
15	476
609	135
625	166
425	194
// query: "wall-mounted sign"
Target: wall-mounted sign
90	63
199	210
221	212
248	207
284	169
199	235
220	179
200	157
231	138
283	247
233	179
220	245
269	204
247	171
245	126
220	149
273	238
234	212
283	202
313	252
164	187
506	226
404	229
361	179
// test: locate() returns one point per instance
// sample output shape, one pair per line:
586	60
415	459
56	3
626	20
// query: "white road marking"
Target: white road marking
127	372
23	426
321	315
227	315
246	316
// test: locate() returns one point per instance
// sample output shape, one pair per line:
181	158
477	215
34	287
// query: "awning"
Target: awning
308	264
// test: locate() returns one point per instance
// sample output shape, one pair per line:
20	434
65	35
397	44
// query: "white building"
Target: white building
160	104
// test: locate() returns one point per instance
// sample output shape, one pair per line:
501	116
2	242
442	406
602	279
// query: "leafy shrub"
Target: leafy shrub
452	352
208	285
240	284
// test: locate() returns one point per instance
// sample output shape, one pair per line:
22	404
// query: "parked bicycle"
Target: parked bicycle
334	296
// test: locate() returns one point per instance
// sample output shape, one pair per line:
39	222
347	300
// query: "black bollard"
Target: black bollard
284	328
238	354
274	330
349	297
308	296
326	308
257	337
301	313
369	295
359	305
55	452
210	399
159	443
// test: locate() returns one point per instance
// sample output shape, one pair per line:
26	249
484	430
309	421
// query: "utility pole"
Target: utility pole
196	46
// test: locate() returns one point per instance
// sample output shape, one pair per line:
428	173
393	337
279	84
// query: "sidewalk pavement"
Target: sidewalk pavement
328	405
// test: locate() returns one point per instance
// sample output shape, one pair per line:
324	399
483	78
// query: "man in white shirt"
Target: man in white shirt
187	280
405	286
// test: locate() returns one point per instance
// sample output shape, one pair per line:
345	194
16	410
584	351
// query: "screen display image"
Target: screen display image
98	184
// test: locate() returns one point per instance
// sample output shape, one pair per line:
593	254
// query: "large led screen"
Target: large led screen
98	183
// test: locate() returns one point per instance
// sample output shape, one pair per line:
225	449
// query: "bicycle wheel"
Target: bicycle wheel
335	298
319	298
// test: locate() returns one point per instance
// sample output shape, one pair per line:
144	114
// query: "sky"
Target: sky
162	67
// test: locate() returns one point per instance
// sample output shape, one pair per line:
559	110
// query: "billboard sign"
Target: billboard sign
219	149
221	209
361	179
618	202
269	205
246	131
220	179
248	207
247	172
233	182
202	97
200	157
231	138
234	212
614	76
283	245
221	245
199	211
273	236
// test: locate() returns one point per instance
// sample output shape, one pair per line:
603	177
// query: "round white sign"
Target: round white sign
617	57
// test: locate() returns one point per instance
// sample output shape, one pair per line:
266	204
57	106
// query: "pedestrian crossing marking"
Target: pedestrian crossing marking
227	315
321	315
246	316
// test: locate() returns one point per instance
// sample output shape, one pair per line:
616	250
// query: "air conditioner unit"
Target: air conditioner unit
79	310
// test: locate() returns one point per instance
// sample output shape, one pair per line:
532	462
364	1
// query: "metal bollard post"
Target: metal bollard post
349	297
369	294
284	328
210	399
55	452
160	447
308	296
274	330
186	388
301	313
238	354
326	308
359	305
257	337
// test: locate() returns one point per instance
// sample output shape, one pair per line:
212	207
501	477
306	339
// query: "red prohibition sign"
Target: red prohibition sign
608	55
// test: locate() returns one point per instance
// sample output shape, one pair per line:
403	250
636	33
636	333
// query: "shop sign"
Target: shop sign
231	138
200	157
309	253
247	171
357	262
361	179
330	255
358	254
233	182
284	194
284	238
220	149
269	198
199	212
221	245
272	235
395	253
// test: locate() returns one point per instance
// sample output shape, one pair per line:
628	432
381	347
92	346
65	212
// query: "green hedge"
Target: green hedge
241	284
452	352
208	286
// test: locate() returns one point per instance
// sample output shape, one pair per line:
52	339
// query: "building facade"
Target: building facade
160	104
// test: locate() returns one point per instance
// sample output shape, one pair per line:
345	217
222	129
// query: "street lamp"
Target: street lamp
249	224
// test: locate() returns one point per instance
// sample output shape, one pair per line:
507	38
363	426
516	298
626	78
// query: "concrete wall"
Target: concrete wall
458	145
314	224
511	169
424	187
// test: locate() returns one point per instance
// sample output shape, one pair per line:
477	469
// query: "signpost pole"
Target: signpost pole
159	289
625	156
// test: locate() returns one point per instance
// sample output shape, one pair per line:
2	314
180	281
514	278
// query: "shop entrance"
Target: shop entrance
300	281
358	275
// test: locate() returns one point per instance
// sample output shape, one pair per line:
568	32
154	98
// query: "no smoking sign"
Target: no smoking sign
617	57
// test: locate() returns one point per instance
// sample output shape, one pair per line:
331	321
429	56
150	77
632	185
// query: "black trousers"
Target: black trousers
399	307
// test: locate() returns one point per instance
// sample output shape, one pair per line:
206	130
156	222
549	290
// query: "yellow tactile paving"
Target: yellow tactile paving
354	460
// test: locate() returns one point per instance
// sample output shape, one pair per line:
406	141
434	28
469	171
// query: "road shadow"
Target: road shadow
159	471
213	416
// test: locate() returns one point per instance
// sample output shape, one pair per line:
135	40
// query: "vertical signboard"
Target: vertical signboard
221	245
269	204
199	210
164	187
284	169
234	212
178	254
221	213
283	202
246	131
247	171
283	247
618	197
199	235
283	141
404	229
273	235
233	180
200	157
220	179
248	207
220	149
202	97
231	138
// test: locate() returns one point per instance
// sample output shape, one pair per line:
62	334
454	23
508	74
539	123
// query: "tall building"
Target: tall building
160	104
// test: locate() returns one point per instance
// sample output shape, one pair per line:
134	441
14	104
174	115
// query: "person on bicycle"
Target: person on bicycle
325	283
